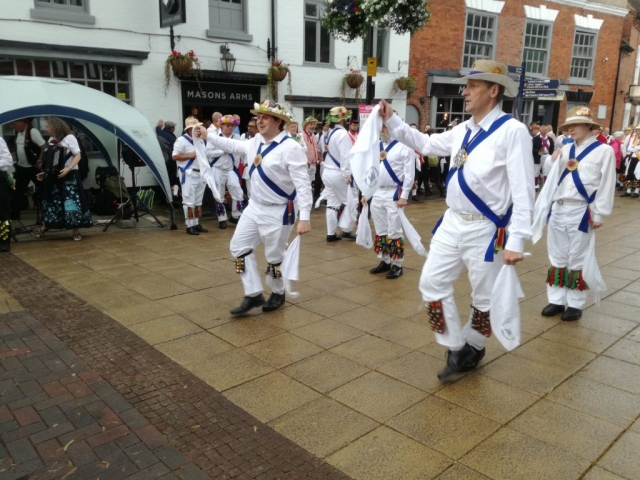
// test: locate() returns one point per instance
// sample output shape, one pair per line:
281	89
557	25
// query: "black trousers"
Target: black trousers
24	175
5	210
435	177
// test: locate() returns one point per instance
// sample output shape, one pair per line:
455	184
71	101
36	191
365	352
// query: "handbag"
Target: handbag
31	150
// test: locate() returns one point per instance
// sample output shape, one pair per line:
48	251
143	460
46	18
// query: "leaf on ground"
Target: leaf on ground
69	473
104	464
195	427
255	429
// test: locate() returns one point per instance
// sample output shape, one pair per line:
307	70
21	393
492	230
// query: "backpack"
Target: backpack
55	156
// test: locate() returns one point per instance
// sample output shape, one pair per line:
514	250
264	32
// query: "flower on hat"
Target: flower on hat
497	70
229	120
584	111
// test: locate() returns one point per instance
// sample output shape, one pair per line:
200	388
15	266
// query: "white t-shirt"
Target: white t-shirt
6	160
71	143
35	137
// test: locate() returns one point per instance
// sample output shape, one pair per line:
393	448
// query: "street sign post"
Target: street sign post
540	93
539	84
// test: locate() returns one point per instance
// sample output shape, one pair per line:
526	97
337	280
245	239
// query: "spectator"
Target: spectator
63	203
616	144
25	170
6	184
168	134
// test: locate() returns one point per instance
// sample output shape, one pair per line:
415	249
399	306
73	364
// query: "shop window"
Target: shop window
318	43
536	47
114	80
228	19
380	47
449	109
63	10
584	48
479	40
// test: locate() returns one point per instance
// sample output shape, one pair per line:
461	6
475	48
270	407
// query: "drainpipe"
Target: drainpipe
274	43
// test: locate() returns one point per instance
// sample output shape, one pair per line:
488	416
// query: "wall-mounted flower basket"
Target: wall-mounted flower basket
354	80
180	64
405	84
277	72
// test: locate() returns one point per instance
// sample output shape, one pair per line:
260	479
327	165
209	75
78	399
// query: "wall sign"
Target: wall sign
172	12
447	89
219	94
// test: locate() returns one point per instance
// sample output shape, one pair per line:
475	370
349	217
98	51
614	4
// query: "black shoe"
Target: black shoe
192	231
396	271
415	199
247	304
5	247
428	192
382	267
572	314
464	360
635	195
625	194
201	229
348	235
276	300
552	310
333	238
234	220
222	225
619	188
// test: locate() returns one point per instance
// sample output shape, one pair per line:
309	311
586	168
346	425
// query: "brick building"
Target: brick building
582	43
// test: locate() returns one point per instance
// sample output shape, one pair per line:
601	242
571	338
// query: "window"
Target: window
536	47
584	46
114	80
228	19
317	40
380	47
63	10
448	109
479	38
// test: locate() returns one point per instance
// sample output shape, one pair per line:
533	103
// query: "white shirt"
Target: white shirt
182	146
401	161
499	170
34	136
285	165
298	138
212	130
628	141
225	161
71	143
339	147
597	171
6	160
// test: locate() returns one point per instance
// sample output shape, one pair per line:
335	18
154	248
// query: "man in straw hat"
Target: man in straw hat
193	187
313	156
574	202
278	176
489	186
632	172
336	175
226	173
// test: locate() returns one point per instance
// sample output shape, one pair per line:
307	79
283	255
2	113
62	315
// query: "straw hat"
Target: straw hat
191	122
309	120
338	114
269	107
491	71
579	115
637	127
229	120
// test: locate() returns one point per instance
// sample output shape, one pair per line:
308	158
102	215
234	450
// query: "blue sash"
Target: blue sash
213	162
499	239
390	171
289	217
326	148
183	171
584	223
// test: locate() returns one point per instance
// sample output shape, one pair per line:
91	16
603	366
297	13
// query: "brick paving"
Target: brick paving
83	397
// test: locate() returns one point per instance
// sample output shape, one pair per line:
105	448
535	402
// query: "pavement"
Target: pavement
340	383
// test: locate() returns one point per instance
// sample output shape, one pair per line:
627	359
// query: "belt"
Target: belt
395	187
570	201
471	217
270	204
195	170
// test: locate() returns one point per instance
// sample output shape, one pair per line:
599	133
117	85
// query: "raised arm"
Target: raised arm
227	145
438	144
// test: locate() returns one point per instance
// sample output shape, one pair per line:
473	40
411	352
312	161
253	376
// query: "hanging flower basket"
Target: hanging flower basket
180	64
405	84
277	72
353	79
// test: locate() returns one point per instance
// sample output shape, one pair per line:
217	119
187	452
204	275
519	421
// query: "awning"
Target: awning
104	115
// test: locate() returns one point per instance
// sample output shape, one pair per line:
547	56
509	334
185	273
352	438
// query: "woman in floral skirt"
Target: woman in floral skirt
63	204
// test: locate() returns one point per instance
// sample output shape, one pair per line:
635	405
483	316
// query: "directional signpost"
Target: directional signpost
539	93
530	87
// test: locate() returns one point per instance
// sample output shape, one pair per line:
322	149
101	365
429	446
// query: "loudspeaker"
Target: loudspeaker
130	157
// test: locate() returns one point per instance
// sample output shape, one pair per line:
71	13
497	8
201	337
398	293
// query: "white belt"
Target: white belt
470	217
570	201
395	187
270	204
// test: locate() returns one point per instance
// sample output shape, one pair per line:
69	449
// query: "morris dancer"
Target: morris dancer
278	177
193	187
622	178
397	168
313	156
227	174
579	195
336	174
489	185
632	172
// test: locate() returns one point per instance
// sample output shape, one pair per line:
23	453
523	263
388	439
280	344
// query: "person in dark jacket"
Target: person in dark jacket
542	146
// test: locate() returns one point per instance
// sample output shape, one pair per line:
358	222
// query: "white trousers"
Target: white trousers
192	192
312	172
457	244
568	248
337	192
229	180
261	224
386	220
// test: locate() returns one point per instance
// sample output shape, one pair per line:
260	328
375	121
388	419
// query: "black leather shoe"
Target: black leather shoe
247	304
572	314
635	195
348	235
5	247
552	310
201	229
619	188
415	199
625	194
192	231
222	225
396	271
382	267
276	300
333	238
233	220
464	360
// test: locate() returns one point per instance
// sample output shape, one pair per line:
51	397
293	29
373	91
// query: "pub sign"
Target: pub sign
172	12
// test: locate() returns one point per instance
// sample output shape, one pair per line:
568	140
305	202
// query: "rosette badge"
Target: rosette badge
383	156
572	164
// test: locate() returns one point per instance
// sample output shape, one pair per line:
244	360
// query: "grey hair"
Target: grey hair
619	135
